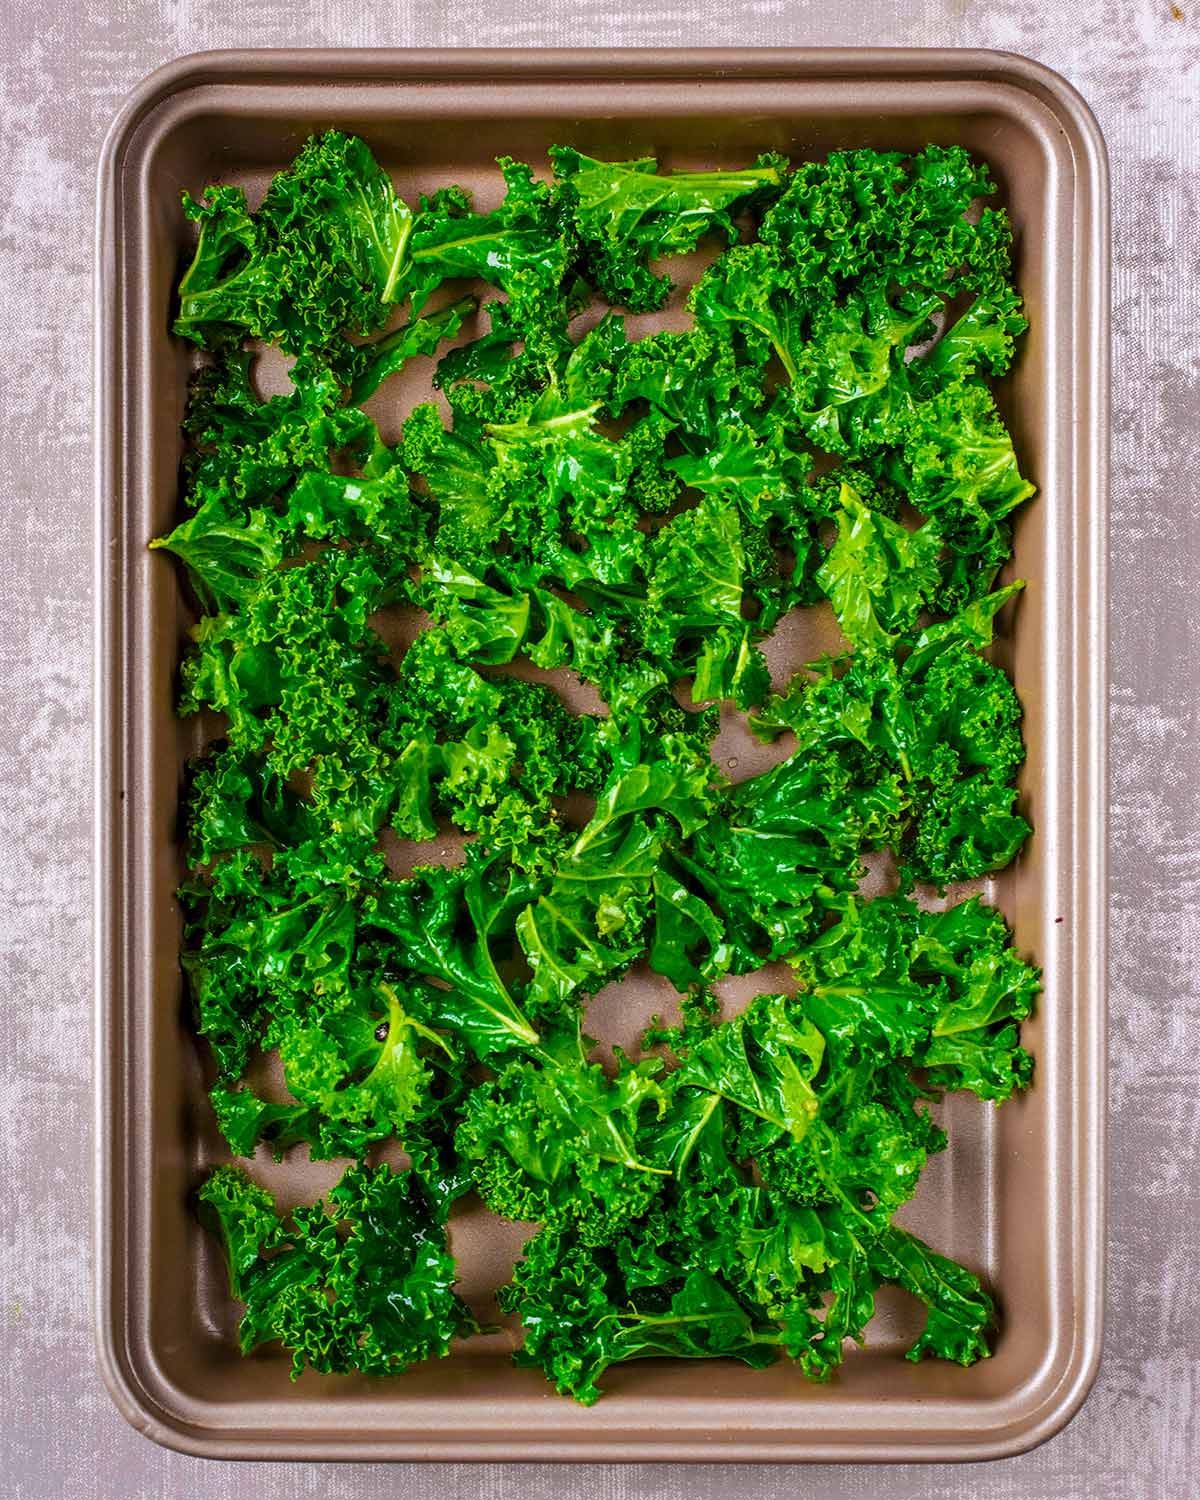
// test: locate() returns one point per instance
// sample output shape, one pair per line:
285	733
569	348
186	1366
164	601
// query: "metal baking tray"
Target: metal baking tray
1019	1195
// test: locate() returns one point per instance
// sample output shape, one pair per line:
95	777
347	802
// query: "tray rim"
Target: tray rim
132	1384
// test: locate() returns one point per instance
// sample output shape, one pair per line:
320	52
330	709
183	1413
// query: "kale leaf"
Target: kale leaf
363	1283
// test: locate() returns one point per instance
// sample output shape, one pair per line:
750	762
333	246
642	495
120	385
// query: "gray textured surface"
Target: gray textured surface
63	69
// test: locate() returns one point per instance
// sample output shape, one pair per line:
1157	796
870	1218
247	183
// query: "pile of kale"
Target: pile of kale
641	512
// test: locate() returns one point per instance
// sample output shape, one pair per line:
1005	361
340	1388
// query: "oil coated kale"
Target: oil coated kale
639	513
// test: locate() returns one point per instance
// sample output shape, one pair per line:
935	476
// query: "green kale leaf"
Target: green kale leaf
363	1283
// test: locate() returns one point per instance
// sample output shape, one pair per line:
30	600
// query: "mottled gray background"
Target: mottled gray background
64	67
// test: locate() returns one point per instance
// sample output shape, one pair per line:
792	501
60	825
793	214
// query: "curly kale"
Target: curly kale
362	1283
553	1138
790	1147
412	864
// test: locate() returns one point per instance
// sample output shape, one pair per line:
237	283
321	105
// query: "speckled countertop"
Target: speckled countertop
64	68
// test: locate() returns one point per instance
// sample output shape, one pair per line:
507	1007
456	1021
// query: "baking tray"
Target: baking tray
1019	1195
